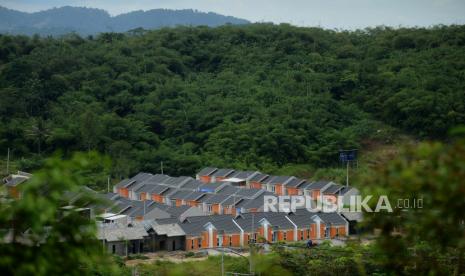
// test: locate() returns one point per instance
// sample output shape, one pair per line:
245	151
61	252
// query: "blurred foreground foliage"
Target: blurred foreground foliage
40	237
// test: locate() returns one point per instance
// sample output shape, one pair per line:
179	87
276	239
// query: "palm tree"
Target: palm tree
38	132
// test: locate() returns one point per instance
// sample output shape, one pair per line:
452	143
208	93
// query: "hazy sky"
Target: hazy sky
346	14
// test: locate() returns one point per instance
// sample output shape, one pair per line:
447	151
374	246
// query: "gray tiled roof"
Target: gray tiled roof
278	179
232	201
260	177
333	189
146	188
223	172
191	185
332	218
249	193
117	232
211	187
158	179
228	190
193	228
216	198
14	181
159	189
207	171
195	195
301	220
317	185
295	182
243	174
177	181
180	194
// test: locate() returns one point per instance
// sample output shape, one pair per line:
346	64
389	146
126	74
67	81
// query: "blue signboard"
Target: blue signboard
347	155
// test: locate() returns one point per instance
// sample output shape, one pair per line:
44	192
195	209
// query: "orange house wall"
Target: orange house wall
279	189
215	208
255	185
315	195
157	198
292	191
205	179
124	192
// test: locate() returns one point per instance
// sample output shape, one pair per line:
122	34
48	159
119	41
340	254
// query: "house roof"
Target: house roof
331	218
296	182
195	195
249	193
135	180
112	232
223	172
278	180
207	171
318	185
159	189
15	179
170	230
333	189
177	181
193	184
228	190
216	198
232	201
193	228
212	187
180	194
301	220
243	175
204	197
259	177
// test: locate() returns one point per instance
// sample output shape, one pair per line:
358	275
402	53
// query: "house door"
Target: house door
162	245
174	245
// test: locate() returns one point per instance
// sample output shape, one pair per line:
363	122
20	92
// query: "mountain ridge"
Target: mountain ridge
90	21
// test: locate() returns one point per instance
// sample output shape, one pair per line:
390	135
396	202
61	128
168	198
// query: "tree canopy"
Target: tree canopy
257	96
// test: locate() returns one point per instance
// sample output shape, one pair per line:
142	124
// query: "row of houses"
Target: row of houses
201	232
280	185
226	191
213	198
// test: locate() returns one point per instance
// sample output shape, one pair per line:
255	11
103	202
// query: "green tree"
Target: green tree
39	237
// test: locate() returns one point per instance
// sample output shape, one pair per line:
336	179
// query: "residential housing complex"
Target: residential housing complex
219	207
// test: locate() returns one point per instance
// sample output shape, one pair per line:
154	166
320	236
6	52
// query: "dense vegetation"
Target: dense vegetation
257	96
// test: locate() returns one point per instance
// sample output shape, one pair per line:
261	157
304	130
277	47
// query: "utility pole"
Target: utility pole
222	259
161	166
108	184
8	162
347	175
252	245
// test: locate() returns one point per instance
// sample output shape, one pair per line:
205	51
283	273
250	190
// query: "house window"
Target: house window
264	187
337	231
192	244
218	240
173	202
284	235
199	242
273	188
230	240
113	249
209	208
302	233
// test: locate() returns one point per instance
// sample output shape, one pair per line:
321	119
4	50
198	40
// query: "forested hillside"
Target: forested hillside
88	21
256	96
